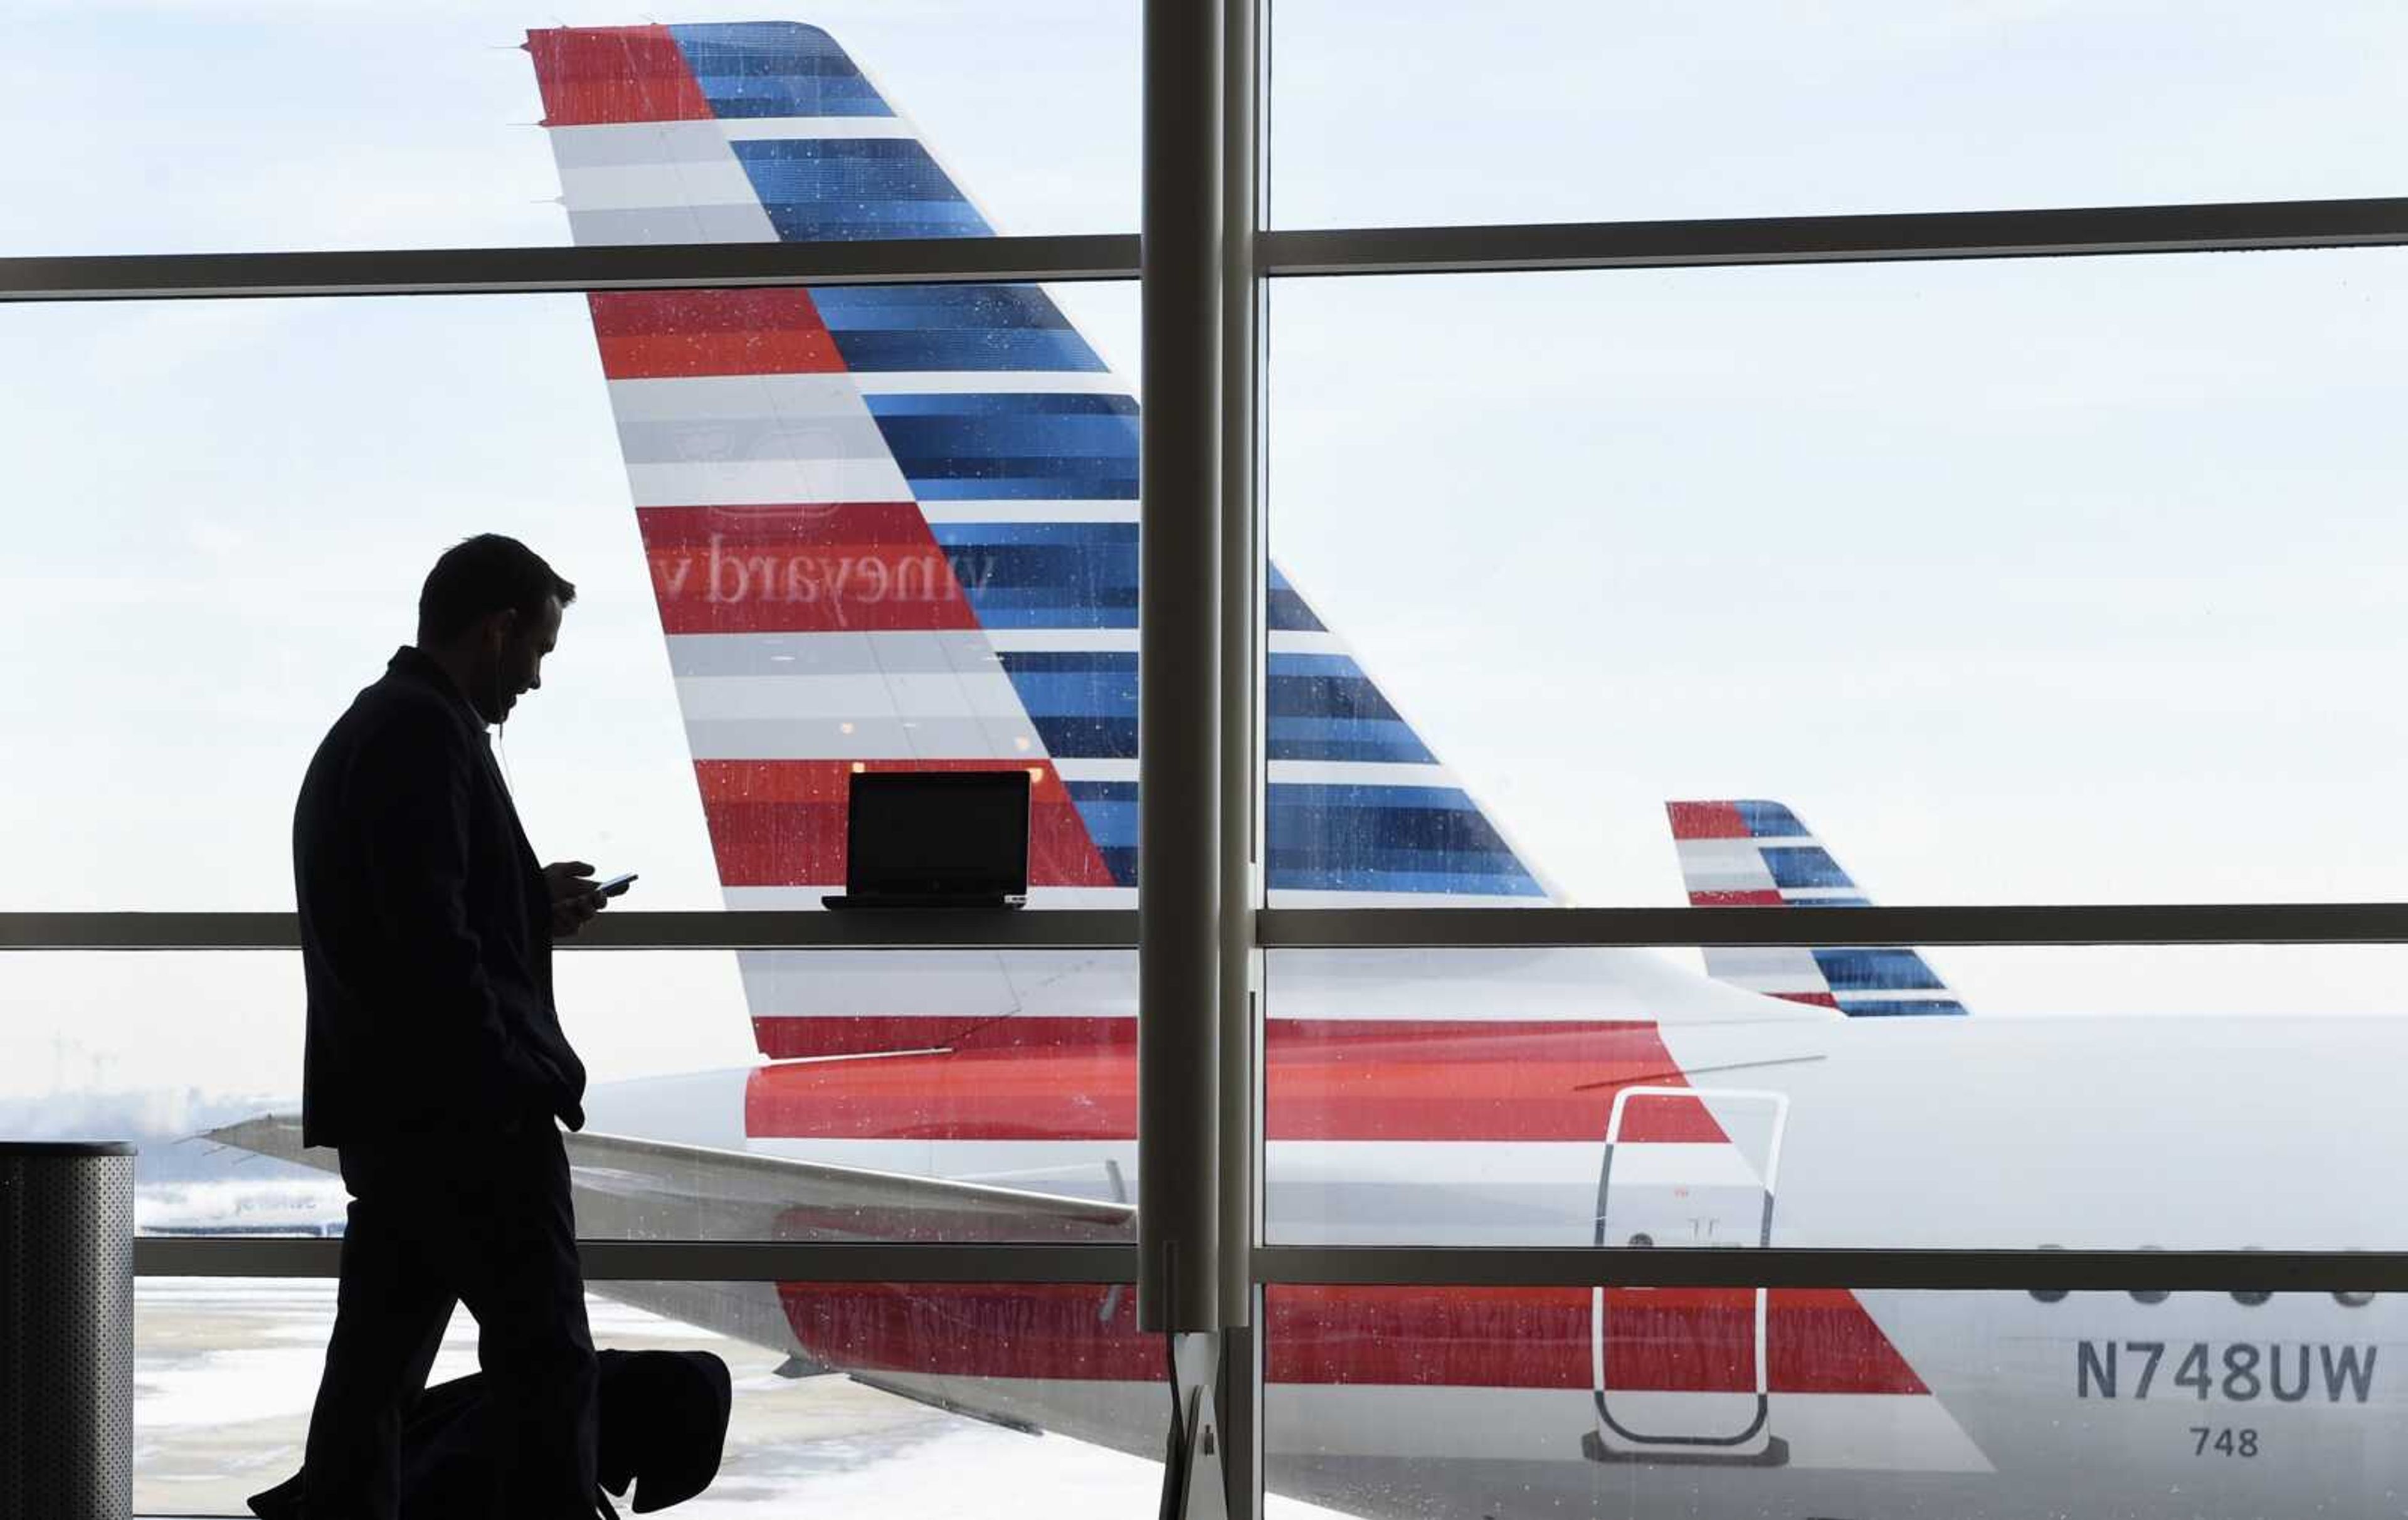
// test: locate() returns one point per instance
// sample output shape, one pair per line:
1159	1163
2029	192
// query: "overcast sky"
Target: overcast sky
2020	581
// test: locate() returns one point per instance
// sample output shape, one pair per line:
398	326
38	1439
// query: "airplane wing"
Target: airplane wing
639	1189
1757	853
627	1189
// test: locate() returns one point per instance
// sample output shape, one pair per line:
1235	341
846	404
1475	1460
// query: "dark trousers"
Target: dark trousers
435	1223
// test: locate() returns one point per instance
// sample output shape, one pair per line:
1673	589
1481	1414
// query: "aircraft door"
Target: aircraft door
1683	1374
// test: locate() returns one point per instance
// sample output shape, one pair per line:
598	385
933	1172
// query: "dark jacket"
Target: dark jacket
426	929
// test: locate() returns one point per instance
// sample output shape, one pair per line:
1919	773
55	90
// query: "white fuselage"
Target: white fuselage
1999	1132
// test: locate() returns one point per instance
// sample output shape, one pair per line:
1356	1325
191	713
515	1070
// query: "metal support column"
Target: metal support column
1241	665
1179	664
1242	575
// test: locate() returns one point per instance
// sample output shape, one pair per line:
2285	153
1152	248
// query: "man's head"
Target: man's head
489	614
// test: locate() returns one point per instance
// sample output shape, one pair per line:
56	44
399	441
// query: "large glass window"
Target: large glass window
220	128
2203	1098
1550	110
2035	580
2007	581
811	532
793	1096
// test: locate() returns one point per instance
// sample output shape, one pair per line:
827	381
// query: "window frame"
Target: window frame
1203	130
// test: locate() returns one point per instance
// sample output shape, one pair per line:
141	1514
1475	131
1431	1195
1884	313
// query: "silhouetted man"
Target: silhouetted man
436	1062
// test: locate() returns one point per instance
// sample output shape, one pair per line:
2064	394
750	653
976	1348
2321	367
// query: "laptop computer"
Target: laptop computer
936	839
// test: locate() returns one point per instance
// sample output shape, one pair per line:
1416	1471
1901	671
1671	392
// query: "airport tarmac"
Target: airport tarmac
225	1368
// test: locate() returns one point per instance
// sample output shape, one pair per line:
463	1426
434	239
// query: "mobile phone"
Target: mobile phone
615	886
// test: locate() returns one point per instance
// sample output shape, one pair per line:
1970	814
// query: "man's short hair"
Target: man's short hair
483	575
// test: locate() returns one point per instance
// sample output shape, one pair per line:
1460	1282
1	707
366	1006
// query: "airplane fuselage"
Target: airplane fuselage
2086	1133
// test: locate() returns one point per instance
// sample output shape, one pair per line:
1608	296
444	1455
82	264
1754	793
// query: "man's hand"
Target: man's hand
574	900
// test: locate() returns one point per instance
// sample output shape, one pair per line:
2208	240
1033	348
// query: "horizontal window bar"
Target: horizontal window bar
1784	1267
1779	1266
2205	923
686	1261
470	271
939	928
1835	239
1077	928
1596	245
1355	928
149	931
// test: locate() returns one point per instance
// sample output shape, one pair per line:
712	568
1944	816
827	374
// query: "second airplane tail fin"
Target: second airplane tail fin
1757	853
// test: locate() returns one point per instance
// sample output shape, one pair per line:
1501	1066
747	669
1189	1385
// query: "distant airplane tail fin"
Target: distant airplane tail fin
1757	853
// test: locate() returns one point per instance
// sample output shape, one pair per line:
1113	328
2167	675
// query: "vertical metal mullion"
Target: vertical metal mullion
1179	664
1241	661
1242	763
1241	1404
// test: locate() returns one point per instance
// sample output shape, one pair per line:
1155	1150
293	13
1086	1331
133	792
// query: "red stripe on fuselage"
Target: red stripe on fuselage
1324	1080
781	822
1085	1094
788	1036
660	334
818	567
594	75
1743	898
1686	1340
1658	1339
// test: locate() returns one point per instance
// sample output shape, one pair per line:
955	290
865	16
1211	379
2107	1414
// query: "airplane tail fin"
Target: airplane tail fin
1757	853
896	527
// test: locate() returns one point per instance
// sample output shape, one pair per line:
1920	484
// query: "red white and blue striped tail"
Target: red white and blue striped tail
896	527
1757	853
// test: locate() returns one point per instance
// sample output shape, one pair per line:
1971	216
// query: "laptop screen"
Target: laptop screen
924	831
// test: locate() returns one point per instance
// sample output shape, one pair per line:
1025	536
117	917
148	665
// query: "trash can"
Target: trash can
66	1331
